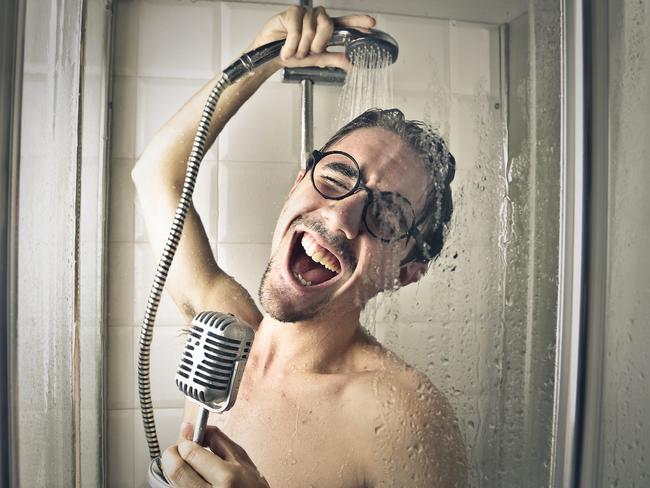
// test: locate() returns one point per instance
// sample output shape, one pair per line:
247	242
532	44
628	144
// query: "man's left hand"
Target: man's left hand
225	464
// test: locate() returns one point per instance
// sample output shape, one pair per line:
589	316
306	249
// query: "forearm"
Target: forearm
163	162
160	170
195	280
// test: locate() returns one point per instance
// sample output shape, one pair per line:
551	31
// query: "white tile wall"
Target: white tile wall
474	54
251	136
326	100
464	139
424	50
165	50
431	106
166	348
157	100
251	196
246	263
121	448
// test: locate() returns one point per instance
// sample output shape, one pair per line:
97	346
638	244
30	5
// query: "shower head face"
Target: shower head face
360	42
378	46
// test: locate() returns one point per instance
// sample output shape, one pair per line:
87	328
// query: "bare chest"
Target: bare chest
297	437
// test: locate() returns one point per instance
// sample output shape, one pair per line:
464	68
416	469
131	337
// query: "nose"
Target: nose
346	215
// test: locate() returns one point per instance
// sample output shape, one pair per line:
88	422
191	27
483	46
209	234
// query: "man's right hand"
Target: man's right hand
223	464
307	31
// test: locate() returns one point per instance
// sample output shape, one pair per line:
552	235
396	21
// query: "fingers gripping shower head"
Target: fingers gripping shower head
212	393
355	42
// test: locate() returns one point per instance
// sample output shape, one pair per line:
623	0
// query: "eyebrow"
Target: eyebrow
344	169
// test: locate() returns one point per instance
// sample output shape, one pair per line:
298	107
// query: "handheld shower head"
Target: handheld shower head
354	40
358	40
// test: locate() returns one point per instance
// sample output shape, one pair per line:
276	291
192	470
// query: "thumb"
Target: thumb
363	21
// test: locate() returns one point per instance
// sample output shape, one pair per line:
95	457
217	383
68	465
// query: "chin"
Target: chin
278	301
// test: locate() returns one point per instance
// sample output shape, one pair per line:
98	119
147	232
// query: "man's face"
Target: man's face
323	260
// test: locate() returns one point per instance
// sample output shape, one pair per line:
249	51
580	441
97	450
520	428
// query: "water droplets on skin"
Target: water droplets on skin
383	316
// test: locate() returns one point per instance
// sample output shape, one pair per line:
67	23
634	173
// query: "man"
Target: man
320	404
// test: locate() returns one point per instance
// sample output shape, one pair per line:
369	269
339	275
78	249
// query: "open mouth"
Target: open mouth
311	264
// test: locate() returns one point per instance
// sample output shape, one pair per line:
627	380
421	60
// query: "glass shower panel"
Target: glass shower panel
45	323
57	345
625	430
481	324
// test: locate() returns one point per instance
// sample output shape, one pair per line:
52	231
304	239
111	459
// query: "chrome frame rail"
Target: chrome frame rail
11	57
573	228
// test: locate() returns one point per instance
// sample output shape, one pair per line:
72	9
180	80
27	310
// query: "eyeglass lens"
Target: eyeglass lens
388	215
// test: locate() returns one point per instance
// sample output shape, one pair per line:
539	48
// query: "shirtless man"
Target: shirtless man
321	403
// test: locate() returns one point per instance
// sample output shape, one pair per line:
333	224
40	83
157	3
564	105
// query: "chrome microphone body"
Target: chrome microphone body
212	364
210	370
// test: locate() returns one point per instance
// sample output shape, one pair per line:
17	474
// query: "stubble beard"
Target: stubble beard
275	302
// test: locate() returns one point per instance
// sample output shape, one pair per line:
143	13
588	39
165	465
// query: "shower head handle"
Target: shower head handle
353	39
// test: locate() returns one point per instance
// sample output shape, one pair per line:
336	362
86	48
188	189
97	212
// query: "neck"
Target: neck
313	346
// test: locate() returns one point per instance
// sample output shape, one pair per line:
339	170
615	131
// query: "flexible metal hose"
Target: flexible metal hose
248	62
171	245
245	64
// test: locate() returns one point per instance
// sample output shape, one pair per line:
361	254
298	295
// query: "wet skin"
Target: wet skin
322	404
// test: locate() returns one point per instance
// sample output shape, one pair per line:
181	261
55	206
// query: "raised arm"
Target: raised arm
195	281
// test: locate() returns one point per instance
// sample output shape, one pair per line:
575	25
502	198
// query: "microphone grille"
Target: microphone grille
212	362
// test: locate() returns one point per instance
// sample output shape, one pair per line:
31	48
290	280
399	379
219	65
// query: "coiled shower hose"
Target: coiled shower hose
247	63
146	332
353	40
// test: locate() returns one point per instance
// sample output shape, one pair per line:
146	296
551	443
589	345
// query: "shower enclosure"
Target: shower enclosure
532	322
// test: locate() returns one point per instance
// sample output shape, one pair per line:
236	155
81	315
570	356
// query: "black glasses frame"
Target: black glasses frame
413	231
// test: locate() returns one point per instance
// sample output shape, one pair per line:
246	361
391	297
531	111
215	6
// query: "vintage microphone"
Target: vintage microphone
210	370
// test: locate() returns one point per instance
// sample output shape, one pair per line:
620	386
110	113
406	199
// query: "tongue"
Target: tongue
311	270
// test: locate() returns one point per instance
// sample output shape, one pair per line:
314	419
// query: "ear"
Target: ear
411	272
301	174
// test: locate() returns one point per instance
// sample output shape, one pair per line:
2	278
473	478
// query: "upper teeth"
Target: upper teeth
319	254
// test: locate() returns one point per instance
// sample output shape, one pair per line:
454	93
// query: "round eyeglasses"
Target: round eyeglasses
388	216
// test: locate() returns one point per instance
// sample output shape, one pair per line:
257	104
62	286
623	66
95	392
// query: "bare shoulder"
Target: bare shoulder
410	427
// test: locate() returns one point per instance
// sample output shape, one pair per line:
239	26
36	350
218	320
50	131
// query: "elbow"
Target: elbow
138	173
145	174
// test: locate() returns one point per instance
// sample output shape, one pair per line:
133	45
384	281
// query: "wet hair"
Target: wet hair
433	152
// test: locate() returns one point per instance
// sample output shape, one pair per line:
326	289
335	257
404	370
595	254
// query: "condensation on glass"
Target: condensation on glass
58	395
625	427
482	323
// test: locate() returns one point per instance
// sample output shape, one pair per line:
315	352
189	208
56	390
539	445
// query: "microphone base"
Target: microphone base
155	476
